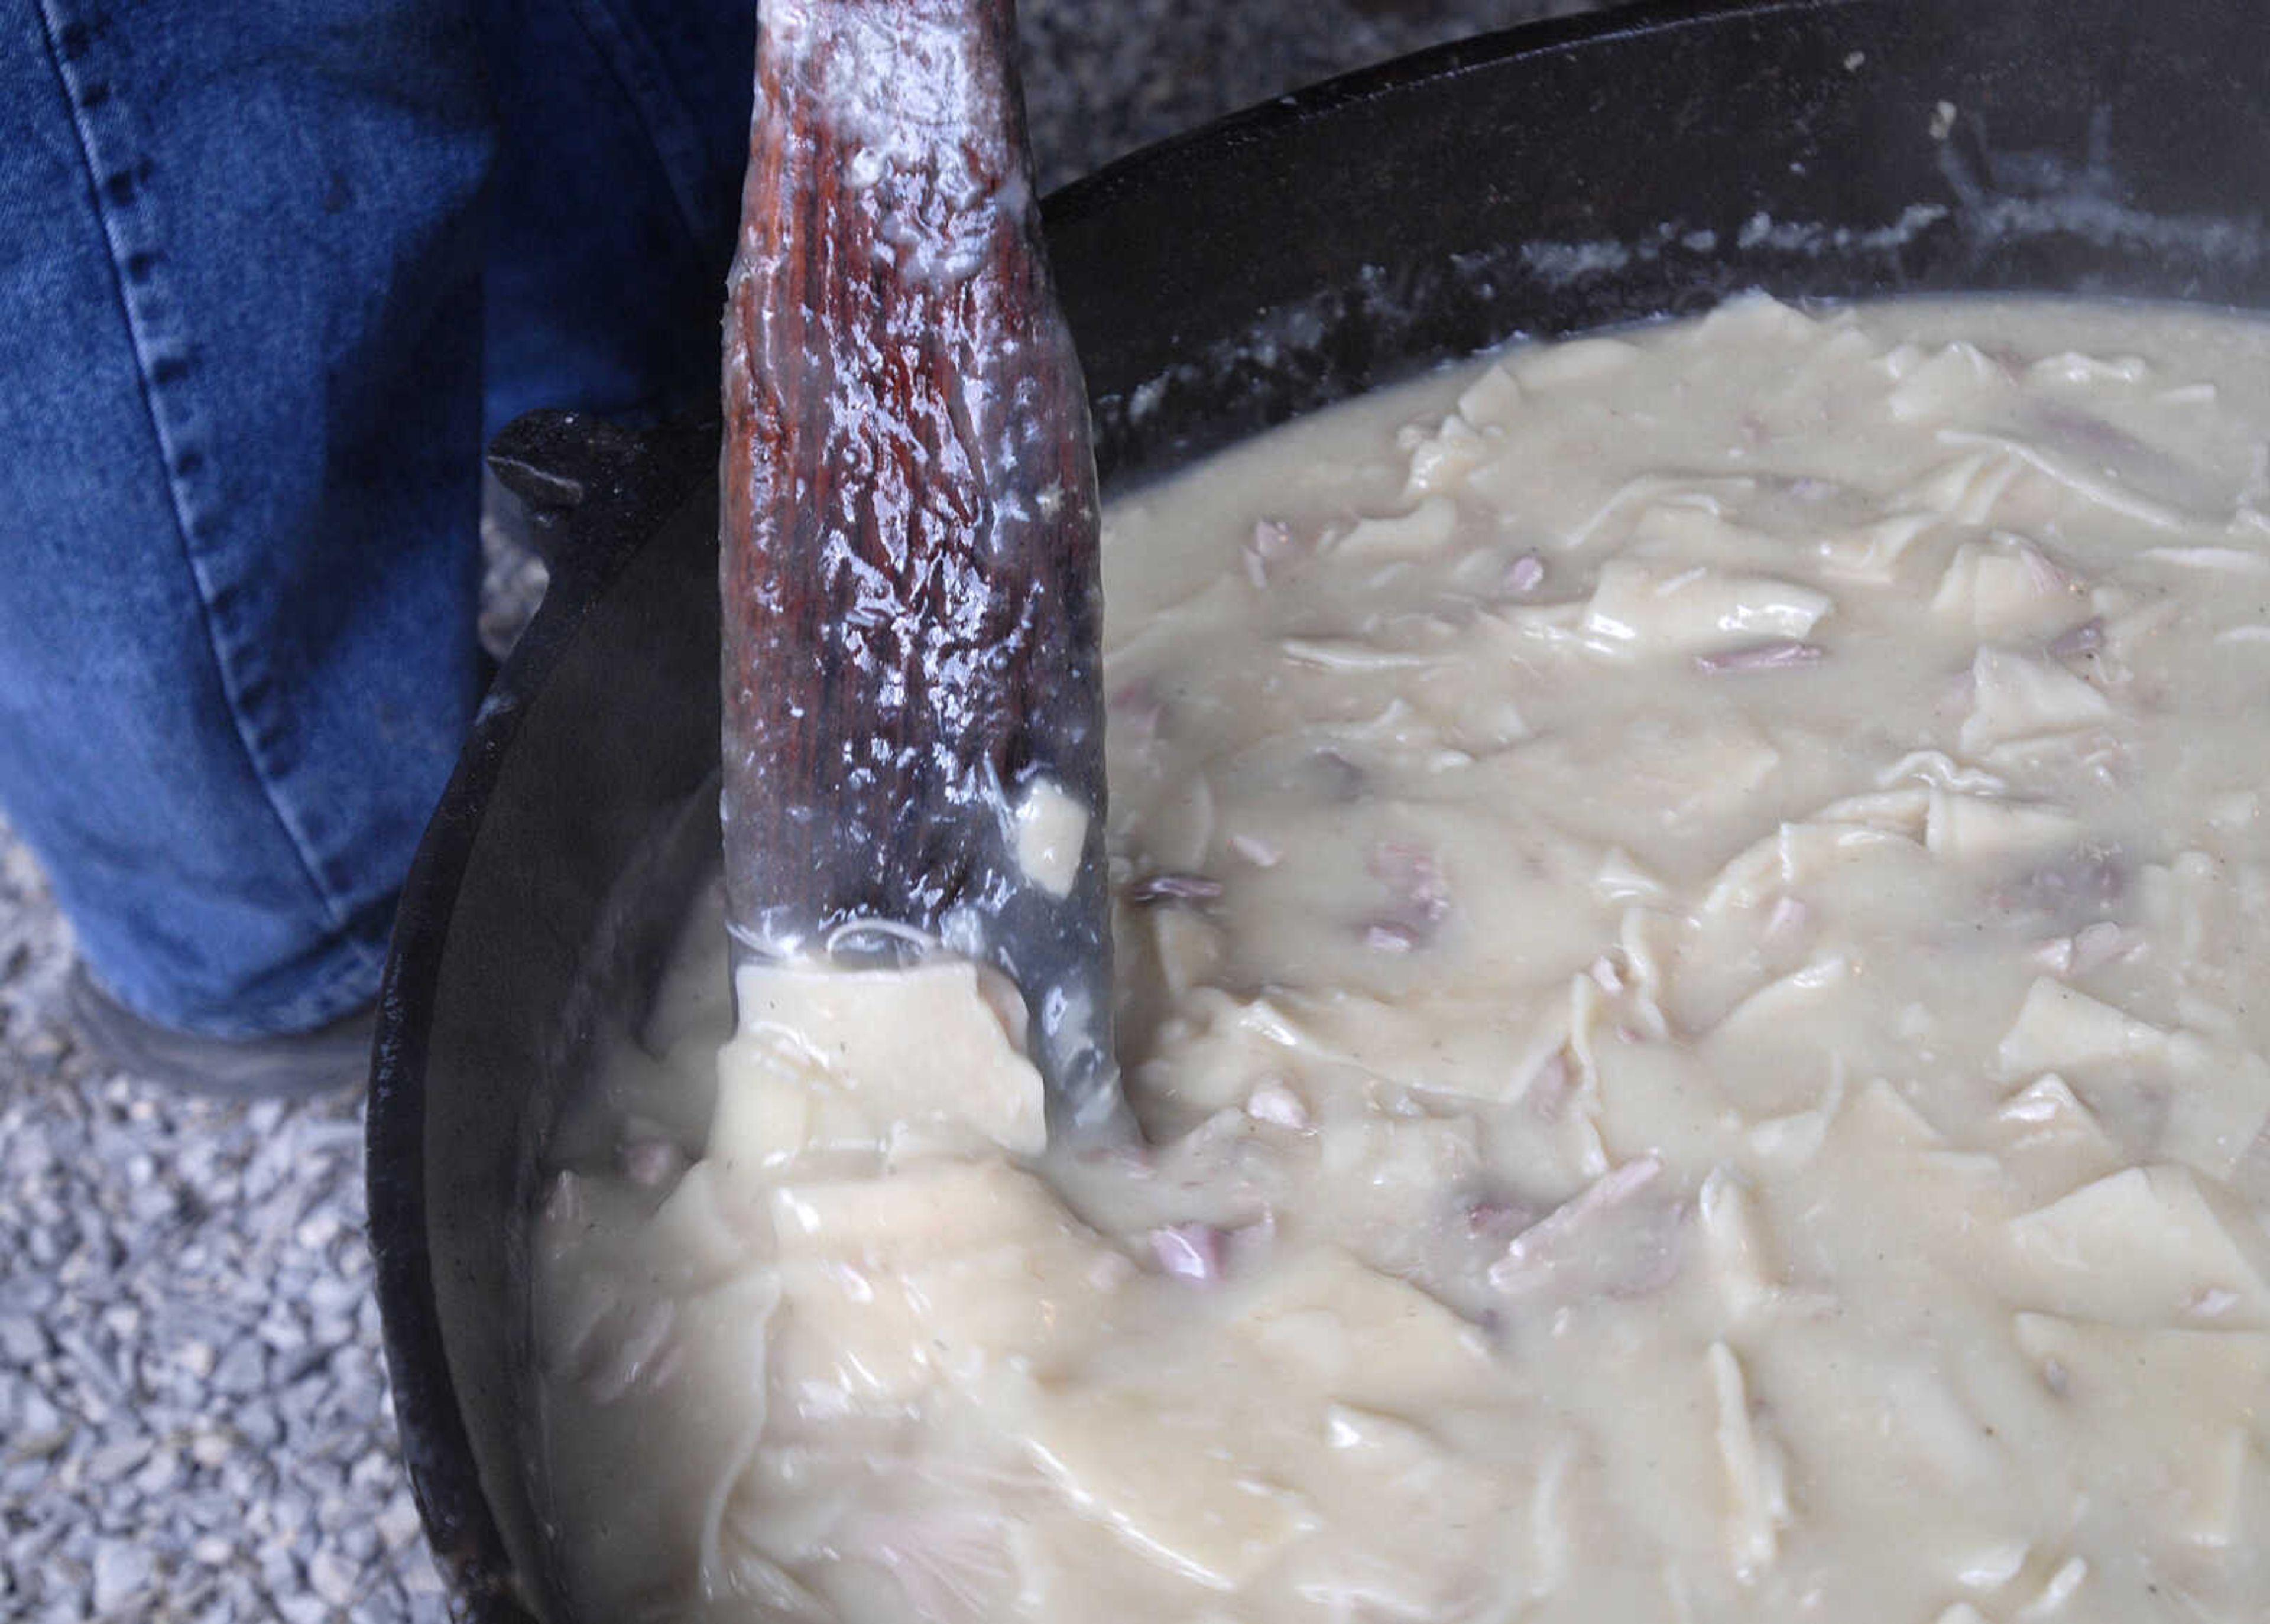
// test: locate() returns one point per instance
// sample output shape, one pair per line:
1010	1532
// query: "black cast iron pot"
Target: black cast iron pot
1634	163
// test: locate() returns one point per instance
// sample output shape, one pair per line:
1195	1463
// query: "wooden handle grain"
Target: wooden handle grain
911	574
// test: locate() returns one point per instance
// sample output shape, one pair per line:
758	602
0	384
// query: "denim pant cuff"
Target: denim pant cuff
331	980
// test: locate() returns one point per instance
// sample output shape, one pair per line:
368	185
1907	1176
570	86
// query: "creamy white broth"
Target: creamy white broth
1692	915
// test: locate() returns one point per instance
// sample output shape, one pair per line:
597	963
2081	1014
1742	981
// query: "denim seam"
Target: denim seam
344	987
670	130
116	196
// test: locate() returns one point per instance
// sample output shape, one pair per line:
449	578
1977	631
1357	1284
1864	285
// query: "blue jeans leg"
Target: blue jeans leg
257	290
625	127
239	260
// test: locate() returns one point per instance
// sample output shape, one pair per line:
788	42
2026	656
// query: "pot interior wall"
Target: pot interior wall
1652	161
1563	177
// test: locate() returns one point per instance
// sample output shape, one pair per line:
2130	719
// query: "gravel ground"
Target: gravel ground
194	1422
190	1390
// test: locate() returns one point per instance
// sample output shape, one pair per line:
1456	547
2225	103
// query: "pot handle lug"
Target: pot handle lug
579	491
552	463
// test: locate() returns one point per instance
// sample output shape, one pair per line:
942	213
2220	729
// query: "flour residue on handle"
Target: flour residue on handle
1051	836
913	115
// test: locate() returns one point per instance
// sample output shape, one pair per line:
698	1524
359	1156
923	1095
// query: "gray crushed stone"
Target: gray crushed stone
193	1413
194	1421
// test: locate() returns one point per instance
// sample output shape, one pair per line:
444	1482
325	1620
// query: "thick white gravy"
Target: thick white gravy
1697	927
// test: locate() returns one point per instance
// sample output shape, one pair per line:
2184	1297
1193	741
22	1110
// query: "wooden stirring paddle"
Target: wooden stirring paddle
914	714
